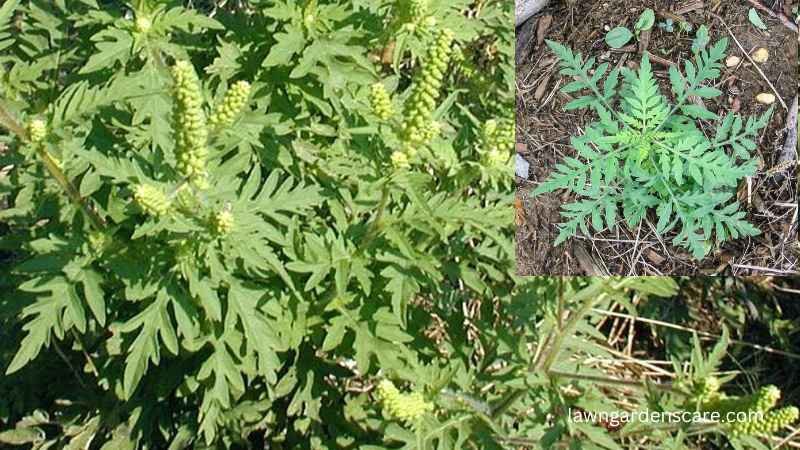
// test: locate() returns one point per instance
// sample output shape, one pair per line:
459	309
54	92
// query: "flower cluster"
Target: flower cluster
405	407
37	130
766	398
191	134
400	160
420	127
758	406
98	241
418	18
381	102
498	138
186	200
222	222
143	24
762	401
230	107
771	422
151	199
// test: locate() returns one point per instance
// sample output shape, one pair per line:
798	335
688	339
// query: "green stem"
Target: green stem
617	382
375	225
588	297
72	192
52	167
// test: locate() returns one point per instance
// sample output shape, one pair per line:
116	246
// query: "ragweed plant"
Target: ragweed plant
646	153
213	227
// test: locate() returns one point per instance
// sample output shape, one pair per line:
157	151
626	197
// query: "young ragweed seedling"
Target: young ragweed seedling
647	153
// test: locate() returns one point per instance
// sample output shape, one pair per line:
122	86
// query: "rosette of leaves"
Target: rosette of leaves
645	153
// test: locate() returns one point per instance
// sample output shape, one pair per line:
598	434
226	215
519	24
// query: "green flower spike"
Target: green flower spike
499	135
191	135
233	103
762	401
381	102
406	408
222	222
771	423
151	199
37	130
708	389
420	127
400	160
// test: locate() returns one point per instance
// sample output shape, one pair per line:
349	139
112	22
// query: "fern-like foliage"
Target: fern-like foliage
644	152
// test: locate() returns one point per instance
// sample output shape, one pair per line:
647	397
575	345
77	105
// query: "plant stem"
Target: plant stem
52	167
589	297
72	192
616	382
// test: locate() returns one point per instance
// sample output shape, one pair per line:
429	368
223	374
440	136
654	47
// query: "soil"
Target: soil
543	130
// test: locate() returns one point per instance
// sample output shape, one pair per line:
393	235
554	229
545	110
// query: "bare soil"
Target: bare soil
544	128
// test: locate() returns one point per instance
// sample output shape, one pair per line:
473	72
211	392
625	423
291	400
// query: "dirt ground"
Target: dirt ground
544	128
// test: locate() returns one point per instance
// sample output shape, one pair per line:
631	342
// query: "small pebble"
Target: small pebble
765	98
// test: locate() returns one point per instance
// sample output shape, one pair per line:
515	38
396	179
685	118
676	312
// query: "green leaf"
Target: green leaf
22	436
676	81
658	286
701	39
698	112
288	44
646	20
580	102
618	37
6	12
706	92
335	333
112	46
755	19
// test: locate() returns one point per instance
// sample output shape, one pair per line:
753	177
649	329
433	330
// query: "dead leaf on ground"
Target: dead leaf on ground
736	105
542	27
541	88
519	212
654	257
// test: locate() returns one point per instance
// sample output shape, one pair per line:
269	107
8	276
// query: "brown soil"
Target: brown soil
544	127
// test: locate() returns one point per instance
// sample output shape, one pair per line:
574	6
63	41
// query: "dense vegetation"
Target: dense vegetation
225	222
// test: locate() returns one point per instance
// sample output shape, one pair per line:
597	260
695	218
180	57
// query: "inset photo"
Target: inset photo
645	363
657	138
